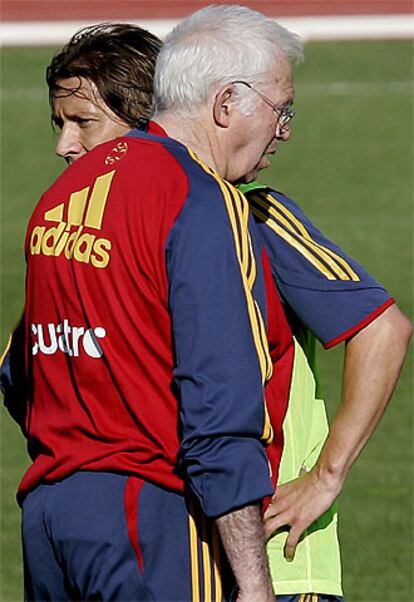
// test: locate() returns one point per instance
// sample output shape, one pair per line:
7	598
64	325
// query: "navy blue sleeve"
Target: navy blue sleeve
331	293
222	360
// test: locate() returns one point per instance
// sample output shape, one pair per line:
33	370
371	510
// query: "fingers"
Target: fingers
296	530
291	543
280	501
276	523
296	505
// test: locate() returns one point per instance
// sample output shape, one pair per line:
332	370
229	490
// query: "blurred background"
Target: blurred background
350	165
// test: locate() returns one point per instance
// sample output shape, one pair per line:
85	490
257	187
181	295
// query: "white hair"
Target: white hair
215	46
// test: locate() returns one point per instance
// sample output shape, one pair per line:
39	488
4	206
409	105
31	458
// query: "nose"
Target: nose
284	133
68	145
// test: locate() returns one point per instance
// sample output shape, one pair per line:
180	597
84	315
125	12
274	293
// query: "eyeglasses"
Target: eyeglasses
285	114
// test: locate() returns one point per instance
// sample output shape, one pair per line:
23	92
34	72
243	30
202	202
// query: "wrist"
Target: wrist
331	476
264	594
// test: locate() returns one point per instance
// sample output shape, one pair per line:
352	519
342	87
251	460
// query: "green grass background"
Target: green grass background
350	164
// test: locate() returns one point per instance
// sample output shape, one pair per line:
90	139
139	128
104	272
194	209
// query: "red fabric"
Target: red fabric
349	333
282	351
132	490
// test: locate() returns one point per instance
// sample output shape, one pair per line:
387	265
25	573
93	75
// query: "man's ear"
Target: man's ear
223	106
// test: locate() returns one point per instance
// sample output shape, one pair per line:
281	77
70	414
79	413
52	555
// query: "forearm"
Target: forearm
242	536
373	360
372	365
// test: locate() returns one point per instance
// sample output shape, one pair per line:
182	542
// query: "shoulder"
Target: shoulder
268	203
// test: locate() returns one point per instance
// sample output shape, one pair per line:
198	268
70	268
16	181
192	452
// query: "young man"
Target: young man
147	350
301	249
102	84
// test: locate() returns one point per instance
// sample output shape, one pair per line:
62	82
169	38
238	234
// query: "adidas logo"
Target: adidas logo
67	238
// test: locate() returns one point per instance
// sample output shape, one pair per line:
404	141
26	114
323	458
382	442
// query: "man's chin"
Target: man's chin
250	177
263	164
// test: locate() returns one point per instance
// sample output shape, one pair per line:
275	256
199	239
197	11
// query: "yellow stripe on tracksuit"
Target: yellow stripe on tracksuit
6	349
308	237
217	564
337	267
10	340
195	579
208	560
238	212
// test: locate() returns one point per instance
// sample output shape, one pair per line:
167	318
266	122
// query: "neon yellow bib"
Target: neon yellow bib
317	565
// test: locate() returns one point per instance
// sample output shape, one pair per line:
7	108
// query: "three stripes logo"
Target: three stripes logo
282	221
85	210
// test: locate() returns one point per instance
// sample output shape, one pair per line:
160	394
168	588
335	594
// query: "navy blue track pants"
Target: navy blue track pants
104	536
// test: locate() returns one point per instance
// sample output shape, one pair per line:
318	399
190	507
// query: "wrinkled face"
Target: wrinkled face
260	132
83	119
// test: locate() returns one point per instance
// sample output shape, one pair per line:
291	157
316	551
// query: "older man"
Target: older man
148	350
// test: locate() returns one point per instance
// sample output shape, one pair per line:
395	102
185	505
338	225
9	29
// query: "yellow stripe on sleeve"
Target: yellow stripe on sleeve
10	339
294	243
245	211
336	262
250	270
306	234
306	240
256	318
6	349
242	211
238	211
